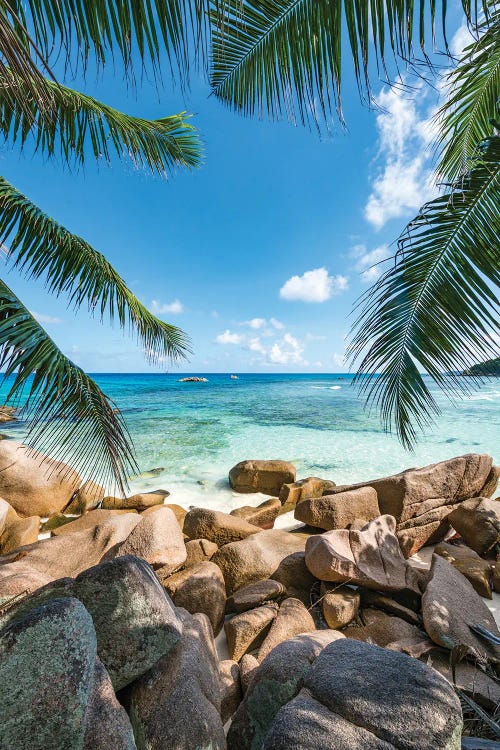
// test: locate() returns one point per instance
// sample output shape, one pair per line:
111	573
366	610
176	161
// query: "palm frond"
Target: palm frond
436	307
42	248
151	31
285	57
70	418
473	100
75	122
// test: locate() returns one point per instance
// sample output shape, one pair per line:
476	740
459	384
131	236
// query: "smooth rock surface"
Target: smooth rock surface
230	688
87	497
177	704
468	562
292	619
158	539
389	631
339	511
199	550
262	515
219	528
19	533
139	502
478	522
92	519
261	476
255	594
199	588
370	557
246	631
294	492
340	605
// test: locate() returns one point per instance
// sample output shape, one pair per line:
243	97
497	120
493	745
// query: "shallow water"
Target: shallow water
195	432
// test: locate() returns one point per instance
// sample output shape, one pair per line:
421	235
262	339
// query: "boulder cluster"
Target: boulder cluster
337	637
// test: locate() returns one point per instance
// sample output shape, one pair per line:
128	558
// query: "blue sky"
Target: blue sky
260	254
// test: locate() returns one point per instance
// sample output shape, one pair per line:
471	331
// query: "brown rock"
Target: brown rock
421	499
257	557
7	414
230	688
388	604
177	703
255	594
220	528
339	511
478	522
199	550
370	557
291	494
32	483
388	631
263	515
87	497
139	502
199	588
261	476
7	514
295	577
90	520
340	605
246	631
468	562
248	664
496	576
178	511
467	677
19	533
450	607
158	539
292	619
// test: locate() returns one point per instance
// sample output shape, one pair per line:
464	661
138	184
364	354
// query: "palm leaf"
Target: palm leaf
284	57
435	308
151	31
74	121
40	247
472	103
70	418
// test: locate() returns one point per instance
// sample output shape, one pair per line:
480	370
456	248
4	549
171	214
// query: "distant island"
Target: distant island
491	367
193	380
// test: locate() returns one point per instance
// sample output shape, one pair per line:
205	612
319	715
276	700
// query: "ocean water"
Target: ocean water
195	432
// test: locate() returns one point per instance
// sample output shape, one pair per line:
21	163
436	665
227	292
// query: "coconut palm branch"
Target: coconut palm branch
474	91
285	57
41	248
70	417
435	308
75	123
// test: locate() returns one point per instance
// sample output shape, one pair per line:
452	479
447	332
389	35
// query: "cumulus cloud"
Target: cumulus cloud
286	351
368	261
42	318
229	338
402	181
313	286
172	308
256	345
461	39
277	324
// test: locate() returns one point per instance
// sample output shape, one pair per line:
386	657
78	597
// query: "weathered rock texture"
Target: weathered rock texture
292	619
261	476
158	539
340	605
199	588
254	594
293	493
339	511
468	562
246	631
263	515
220	528
478	522
139	502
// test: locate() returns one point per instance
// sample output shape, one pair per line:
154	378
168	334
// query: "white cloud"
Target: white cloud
172	308
277	324
368	261
403	182
286	351
314	337
256	345
255	323
313	286
214	314
229	338
461	39
339	360
42	318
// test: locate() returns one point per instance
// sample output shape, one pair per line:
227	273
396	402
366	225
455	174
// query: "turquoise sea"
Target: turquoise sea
195	432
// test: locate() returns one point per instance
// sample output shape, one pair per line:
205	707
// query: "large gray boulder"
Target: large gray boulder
421	499
274	682
177	704
378	700
32	483
370	557
261	476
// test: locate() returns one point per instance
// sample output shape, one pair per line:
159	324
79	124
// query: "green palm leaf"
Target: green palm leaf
435	307
40	247
465	118
74	121
285	56
70	418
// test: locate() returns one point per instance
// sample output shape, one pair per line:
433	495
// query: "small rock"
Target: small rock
139	502
158	539
468	562
293	493
220	528
340	510
230	688
370	557
391	606
292	619
7	414
199	588
199	550
19	533
263	515
246	631
254	594
87	497
340	605
248	664
450	606
177	704
295	577
388	631
478	522
267	477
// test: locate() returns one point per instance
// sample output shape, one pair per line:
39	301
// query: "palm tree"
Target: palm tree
435	308
68	415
